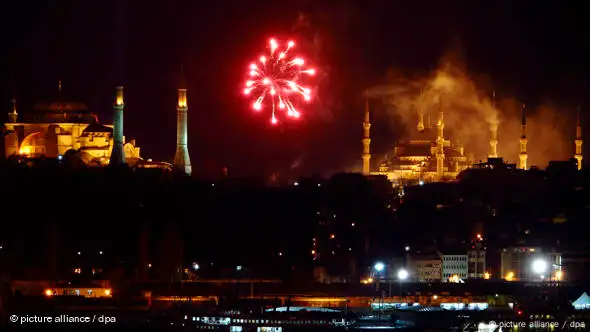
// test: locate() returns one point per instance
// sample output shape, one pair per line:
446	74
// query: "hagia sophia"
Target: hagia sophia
53	129
428	156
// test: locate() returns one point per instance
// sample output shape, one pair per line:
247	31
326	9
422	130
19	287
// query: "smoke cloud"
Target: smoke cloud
472	115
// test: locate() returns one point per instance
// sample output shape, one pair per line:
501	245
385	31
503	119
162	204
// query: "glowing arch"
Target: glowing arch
34	143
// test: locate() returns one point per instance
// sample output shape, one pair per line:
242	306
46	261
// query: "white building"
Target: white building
455	267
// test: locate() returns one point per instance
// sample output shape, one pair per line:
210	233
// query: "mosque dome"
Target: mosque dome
60	106
61	110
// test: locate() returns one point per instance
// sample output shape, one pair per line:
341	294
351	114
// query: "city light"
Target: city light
196	266
367	281
559	275
379	267
402	274
48	292
487	276
509	276
539	266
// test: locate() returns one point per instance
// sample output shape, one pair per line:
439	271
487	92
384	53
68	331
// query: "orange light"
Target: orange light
487	276
182	98
321	299
119	96
48	292
25	150
510	276
107	292
559	275
367	281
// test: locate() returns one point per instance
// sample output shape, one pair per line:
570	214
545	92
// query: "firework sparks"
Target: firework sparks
275	80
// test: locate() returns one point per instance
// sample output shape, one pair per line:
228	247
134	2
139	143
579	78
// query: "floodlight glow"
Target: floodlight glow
539	266
402	274
379	267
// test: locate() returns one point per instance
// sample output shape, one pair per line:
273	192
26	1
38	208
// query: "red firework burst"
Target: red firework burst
275	79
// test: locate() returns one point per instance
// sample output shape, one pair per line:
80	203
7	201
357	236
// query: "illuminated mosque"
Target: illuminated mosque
427	156
54	128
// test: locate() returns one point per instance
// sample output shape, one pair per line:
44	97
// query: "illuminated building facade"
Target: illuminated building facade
426	156
454	266
477	268
53	128
425	268
530	264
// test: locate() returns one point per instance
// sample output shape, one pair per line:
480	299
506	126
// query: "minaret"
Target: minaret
421	115
494	132
579	141
118	155
181	158
13	115
440	142
523	141
366	141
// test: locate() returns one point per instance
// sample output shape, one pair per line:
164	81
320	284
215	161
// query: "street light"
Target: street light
402	274
539	266
379	267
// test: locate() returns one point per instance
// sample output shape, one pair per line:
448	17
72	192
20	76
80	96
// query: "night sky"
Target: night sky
532	50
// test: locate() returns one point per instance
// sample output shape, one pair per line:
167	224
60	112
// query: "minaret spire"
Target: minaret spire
13	115
494	131
579	141
523	141
181	157
440	142
118	154
366	141
420	126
